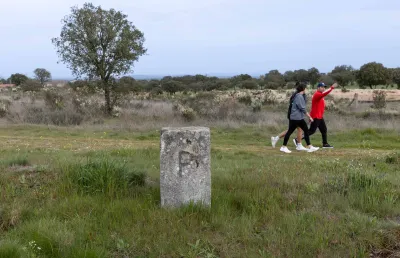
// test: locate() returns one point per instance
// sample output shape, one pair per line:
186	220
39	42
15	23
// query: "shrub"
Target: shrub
156	91
4	107
249	84
31	85
187	113
64	117
84	86
213	85
202	104
393	158
89	106
195	86
273	85
256	105
290	85
205	96
172	86
379	98
53	100
331	106
270	98
246	99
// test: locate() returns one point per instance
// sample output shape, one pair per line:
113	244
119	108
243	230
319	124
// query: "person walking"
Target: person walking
297	114
275	139
317	113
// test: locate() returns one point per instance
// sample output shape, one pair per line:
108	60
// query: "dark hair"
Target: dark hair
300	87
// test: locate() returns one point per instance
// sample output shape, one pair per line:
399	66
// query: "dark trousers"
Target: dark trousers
320	124
293	124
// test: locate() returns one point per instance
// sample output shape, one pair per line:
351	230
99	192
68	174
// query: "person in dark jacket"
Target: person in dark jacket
296	119
275	139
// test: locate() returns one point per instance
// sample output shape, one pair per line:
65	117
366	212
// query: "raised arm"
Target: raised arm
326	92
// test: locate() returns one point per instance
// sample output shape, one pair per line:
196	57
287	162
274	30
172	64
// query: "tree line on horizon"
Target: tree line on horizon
370	75
102	45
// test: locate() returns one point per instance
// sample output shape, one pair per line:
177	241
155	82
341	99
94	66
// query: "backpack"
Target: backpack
290	104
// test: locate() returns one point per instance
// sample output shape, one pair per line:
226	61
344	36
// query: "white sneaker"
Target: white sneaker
274	140
300	147
285	149
294	142
312	149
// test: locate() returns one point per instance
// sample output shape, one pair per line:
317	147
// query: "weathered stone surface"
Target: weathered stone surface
185	174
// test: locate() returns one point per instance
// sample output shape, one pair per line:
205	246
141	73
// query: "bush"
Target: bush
290	85
89	106
270	98
256	105
200	104
273	85
213	107
84	86
53	100
4	107
64	117
393	158
213	85
379	97
172	86
187	113
31	85
196	86
156	91
249	84
246	99
205	96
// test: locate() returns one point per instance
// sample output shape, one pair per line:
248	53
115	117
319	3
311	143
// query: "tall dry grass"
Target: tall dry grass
66	107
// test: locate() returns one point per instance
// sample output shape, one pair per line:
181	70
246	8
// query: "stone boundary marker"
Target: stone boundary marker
185	173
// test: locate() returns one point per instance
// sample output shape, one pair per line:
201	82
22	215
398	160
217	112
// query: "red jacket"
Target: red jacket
318	104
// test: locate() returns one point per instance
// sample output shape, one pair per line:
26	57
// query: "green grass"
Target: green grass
17	161
80	195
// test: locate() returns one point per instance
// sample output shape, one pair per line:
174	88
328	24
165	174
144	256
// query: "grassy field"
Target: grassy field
90	193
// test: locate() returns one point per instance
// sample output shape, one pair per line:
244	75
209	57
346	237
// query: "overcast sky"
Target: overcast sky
217	36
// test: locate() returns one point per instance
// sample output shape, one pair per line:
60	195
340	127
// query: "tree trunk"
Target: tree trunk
107	96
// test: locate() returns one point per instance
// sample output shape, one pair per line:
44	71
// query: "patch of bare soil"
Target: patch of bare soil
365	94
